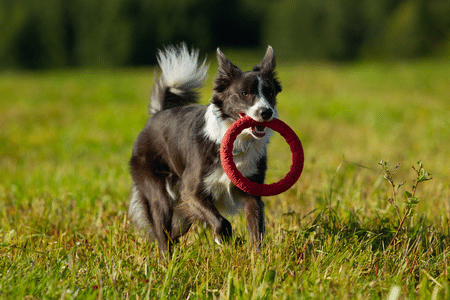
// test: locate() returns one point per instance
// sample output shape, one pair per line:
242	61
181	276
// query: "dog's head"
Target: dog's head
251	93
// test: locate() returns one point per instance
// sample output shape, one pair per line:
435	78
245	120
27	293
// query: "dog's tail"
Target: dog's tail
180	79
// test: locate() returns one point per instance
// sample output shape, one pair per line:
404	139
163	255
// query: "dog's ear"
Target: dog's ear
267	65
227	72
267	68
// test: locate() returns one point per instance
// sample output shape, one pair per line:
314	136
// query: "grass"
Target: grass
65	141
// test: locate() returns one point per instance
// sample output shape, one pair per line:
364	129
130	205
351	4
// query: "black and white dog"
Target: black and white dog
177	174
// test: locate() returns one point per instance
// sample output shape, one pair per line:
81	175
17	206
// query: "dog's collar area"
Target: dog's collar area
216	127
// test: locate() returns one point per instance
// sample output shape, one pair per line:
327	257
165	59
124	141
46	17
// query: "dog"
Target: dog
175	164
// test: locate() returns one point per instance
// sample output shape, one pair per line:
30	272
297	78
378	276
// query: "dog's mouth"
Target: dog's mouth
257	131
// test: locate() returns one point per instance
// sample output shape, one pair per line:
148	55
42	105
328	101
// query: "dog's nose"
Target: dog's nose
266	113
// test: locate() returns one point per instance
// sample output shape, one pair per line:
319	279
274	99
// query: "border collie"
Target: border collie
175	165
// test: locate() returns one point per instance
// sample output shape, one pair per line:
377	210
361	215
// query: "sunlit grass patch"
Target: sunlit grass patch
65	141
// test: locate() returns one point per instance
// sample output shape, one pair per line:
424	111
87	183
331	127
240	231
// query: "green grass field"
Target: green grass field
65	141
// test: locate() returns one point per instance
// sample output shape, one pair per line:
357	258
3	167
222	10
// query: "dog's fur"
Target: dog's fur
175	165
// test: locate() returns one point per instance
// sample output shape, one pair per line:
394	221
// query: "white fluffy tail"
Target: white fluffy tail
180	79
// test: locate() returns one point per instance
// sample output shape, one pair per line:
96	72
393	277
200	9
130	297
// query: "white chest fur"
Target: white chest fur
219	185
247	151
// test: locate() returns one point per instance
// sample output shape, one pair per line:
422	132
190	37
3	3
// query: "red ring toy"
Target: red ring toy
253	188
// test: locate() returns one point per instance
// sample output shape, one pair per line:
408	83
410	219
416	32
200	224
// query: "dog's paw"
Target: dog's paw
223	233
218	240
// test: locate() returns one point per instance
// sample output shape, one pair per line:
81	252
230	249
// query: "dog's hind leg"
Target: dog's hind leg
150	209
161	211
154	216
139	211
158	207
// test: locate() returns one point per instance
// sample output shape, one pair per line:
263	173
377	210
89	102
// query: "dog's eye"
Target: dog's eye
245	94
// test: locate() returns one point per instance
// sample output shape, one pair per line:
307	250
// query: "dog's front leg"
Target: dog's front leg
220	227
201	208
254	212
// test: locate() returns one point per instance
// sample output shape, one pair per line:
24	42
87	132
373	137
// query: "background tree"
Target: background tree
99	33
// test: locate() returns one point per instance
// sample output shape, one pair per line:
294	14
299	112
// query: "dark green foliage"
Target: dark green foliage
102	33
350	29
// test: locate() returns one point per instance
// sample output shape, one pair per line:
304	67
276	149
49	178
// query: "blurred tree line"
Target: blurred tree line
71	33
